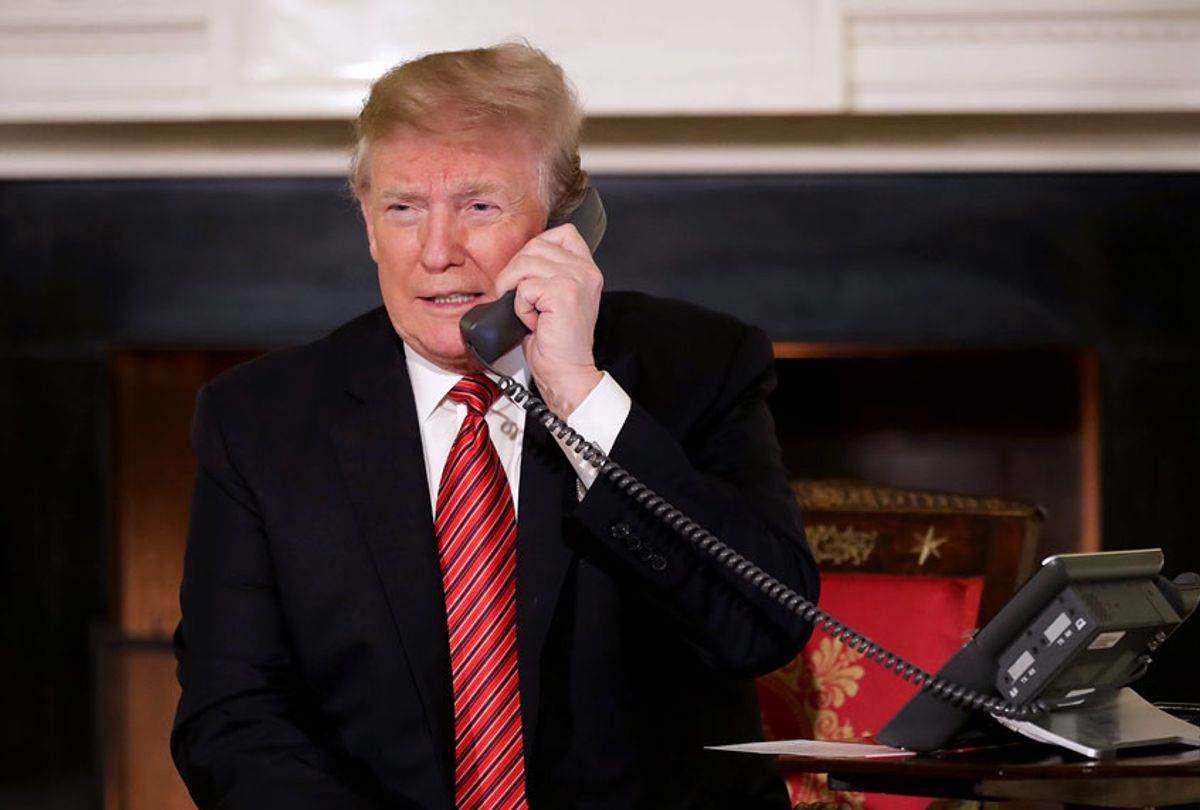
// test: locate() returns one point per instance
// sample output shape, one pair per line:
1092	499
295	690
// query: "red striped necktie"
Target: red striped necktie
477	540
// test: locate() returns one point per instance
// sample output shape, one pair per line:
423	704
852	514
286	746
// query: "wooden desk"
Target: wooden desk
1026	772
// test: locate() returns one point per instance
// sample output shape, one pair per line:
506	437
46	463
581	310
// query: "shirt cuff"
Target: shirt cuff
598	419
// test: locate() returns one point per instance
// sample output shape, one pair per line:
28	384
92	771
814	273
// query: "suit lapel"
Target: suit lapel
543	557
542	560
380	453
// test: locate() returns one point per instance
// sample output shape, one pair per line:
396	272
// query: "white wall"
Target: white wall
266	86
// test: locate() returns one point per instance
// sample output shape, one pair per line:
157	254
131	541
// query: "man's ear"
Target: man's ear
370	223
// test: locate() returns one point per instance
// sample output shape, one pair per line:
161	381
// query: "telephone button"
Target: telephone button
619	530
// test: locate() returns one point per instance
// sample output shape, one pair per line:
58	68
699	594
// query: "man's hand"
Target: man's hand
558	297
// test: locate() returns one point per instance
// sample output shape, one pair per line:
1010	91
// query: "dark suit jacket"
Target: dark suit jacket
313	652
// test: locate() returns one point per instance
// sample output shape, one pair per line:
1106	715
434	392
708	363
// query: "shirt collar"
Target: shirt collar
431	383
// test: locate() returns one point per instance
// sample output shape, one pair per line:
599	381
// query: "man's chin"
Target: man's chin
446	351
458	358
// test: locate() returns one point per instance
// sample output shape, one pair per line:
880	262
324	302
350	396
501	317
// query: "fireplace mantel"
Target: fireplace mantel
1161	142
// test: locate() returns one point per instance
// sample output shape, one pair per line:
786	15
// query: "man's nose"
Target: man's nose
442	243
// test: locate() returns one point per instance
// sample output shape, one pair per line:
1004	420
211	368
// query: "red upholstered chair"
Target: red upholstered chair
916	571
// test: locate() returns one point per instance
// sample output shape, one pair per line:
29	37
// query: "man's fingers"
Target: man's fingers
567	237
547	259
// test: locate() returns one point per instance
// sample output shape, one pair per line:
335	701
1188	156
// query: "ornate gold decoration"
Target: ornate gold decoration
927	545
840	546
835	673
849	496
792	685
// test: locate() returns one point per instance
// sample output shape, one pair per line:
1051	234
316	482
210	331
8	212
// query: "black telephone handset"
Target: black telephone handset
492	329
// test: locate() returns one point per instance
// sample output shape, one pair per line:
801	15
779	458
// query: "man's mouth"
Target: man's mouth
452	298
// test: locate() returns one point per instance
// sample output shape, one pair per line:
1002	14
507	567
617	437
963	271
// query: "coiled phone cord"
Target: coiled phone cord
944	690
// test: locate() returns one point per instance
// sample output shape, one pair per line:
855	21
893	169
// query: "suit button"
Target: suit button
645	553
633	543
619	530
658	562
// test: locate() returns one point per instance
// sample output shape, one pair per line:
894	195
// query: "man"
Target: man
398	593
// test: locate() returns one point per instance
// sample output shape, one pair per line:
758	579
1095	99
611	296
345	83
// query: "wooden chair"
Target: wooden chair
914	570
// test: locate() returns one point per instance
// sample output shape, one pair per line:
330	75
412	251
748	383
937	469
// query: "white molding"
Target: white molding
103	60
631	146
1046	28
94	15
627	57
270	60
1019	56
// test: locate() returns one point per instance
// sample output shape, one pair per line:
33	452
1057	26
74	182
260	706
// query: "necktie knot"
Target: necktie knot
477	391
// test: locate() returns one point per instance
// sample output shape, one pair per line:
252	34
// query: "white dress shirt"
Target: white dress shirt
599	418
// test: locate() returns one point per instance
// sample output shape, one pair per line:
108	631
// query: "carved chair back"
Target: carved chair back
914	570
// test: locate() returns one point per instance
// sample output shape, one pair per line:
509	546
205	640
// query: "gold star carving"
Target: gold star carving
927	545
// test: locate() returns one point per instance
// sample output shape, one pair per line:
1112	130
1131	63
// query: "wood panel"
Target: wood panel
139	693
154	393
153	398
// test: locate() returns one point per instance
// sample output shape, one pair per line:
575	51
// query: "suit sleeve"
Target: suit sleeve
721	466
243	735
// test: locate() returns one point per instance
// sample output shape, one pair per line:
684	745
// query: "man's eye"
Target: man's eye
482	207
399	207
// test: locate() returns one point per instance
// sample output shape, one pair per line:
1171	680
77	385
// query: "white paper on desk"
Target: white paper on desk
816	748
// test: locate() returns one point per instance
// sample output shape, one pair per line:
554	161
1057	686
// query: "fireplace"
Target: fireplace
1030	336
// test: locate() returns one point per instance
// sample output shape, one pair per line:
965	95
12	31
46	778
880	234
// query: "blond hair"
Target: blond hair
512	86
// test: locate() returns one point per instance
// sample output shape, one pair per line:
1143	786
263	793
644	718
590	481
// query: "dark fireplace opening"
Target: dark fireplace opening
1012	423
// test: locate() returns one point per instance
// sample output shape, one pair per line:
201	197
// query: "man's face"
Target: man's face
444	215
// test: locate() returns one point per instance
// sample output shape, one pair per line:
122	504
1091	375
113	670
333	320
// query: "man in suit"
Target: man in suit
315	652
